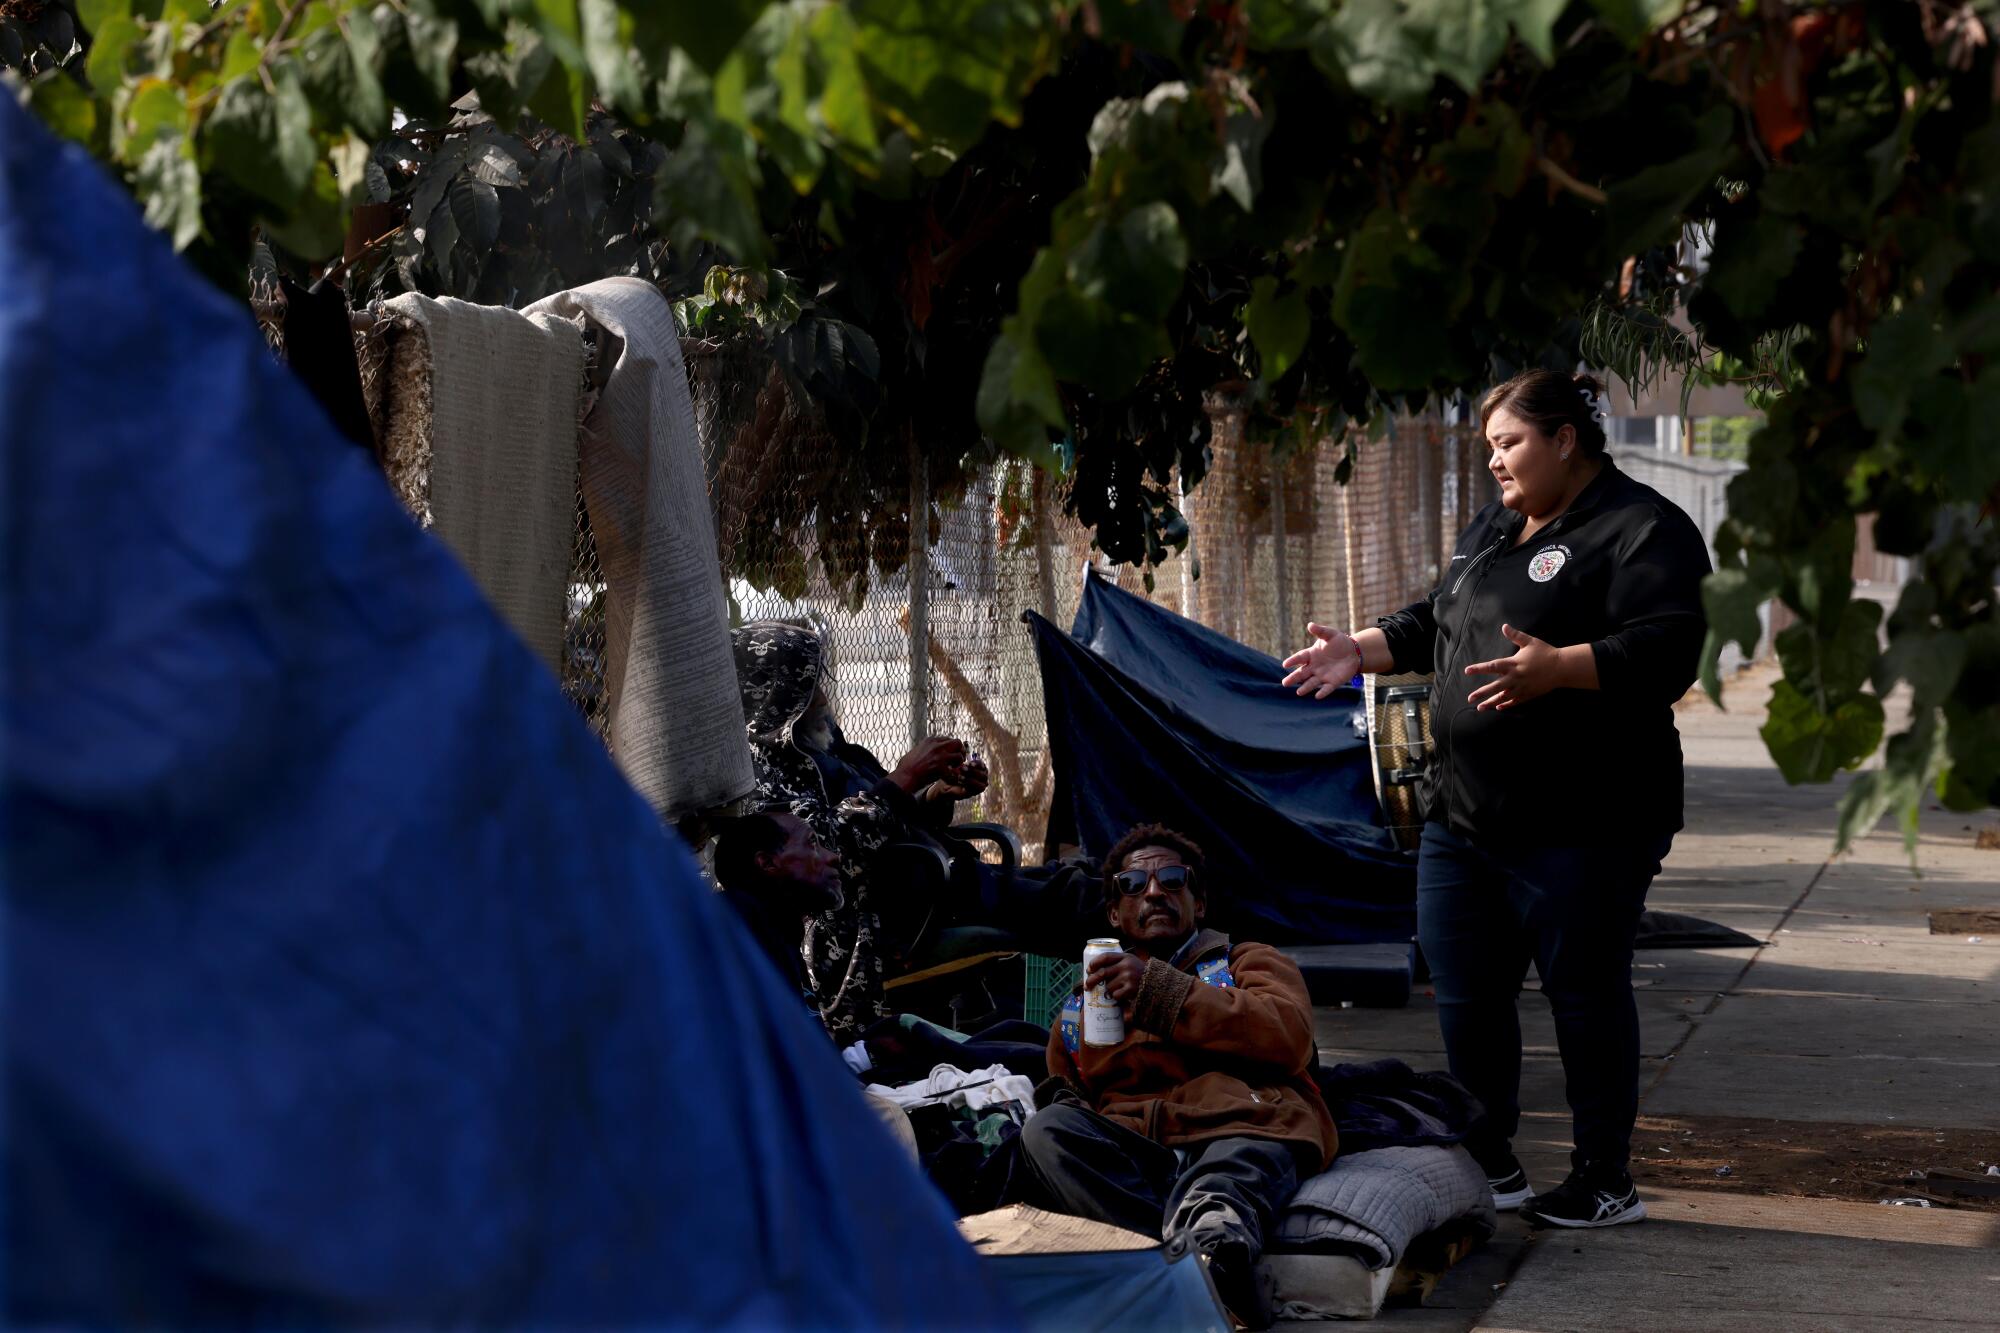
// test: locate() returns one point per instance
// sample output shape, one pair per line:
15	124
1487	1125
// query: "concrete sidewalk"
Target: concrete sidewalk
1852	1046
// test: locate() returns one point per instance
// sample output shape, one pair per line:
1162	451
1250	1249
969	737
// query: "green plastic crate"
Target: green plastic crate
1047	983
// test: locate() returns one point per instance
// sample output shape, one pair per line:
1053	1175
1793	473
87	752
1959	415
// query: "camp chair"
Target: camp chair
935	952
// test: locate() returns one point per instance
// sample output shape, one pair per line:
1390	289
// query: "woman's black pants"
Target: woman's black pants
1484	914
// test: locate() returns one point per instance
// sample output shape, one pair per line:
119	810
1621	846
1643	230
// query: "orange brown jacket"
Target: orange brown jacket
1220	1046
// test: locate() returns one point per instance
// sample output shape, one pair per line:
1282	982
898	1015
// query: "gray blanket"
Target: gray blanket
1383	1199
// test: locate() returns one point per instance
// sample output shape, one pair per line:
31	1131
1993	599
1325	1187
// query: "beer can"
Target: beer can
1103	1020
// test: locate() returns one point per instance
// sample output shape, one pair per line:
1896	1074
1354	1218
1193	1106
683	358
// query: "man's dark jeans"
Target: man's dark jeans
1483	915
1088	1166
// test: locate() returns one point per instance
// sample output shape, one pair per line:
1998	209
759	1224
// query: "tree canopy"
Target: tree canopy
1050	227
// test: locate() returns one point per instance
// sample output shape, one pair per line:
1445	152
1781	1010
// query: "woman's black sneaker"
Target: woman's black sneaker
1587	1199
1509	1184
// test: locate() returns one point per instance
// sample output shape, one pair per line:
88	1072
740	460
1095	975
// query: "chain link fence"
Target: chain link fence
1699	486
924	622
935	644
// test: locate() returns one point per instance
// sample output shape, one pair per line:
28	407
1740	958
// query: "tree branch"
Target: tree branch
1568	182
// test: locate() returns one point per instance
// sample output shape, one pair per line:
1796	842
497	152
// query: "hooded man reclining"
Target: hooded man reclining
860	808
1200	1124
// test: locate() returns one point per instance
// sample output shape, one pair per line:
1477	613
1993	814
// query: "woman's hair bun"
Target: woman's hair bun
1551	400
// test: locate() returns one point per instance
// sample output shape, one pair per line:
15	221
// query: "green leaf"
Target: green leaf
94	14
1238	170
561	26
1534	23
491	162
1018	404
1903	350
607	49
707	31
844	106
1811	746
1837	665
1731	601
367	108
560	100
1288	26
433	42
944	69
708	187
239	56
350	161
157	108
1278	326
63	105
475	209
1947	432
1930	660
111	42
1088	342
1371	47
316	226
168	183
1912	762
1974	744
1389	274
1648	207
338	71
1633	20
1136	265
1396	51
1467	36
1751	261
261	141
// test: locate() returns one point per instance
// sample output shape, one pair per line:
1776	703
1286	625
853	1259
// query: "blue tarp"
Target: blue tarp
1154	717
346	980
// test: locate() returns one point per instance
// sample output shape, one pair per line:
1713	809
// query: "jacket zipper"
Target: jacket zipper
1457	583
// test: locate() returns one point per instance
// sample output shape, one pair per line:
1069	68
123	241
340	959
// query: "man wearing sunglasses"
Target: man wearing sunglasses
1200	1124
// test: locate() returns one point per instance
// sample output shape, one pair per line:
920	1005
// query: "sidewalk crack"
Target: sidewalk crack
1695	1020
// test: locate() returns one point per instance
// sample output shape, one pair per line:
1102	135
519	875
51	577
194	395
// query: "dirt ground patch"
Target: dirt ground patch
1816	1161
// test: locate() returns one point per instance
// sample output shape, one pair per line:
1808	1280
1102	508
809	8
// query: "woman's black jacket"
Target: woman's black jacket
1621	570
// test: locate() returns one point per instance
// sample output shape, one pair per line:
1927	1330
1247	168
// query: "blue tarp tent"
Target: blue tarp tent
1154	717
346	980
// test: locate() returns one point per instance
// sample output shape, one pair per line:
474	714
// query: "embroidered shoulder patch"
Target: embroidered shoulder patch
1214	973
1072	1023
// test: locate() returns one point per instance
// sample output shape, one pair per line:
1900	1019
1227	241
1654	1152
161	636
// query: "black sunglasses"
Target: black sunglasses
1171	879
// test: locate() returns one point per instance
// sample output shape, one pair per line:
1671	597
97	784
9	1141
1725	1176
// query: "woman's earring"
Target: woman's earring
1565	455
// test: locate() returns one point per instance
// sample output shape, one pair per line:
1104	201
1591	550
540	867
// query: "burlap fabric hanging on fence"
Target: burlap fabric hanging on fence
478	414
676	718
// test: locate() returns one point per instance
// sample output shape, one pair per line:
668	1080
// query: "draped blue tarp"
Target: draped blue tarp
1153	717
346	981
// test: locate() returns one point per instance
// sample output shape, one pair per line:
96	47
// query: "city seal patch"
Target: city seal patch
1548	562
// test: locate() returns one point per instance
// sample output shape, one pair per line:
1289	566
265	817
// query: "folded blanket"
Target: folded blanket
1375	1203
676	714
480	425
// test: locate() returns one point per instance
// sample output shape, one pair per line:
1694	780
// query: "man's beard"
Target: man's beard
814	731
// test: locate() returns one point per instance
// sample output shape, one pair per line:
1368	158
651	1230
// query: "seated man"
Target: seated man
860	808
1200	1124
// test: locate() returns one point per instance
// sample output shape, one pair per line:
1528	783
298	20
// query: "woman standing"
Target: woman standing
1565	628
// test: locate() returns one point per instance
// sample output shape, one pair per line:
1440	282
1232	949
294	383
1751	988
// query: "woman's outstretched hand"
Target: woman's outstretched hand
1531	672
1327	665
